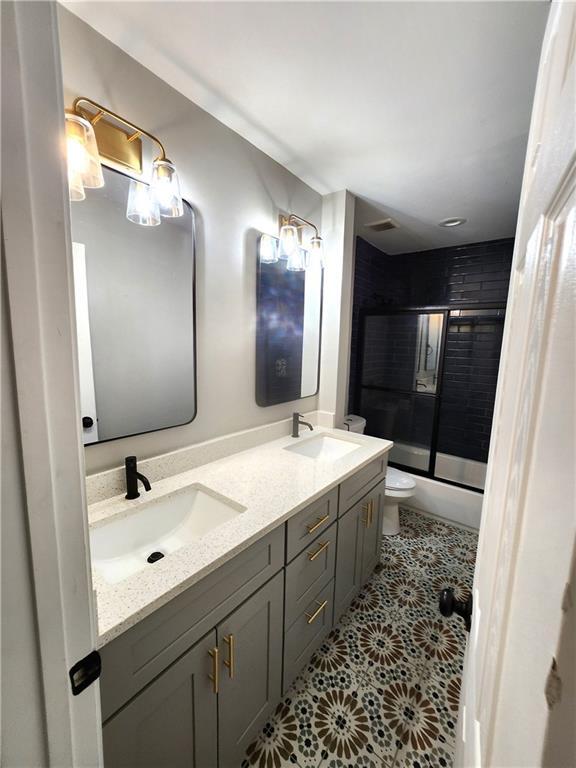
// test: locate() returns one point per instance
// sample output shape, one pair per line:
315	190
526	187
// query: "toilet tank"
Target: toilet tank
354	423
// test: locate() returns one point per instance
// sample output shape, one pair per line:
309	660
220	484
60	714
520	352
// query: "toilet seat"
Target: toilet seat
398	481
398	487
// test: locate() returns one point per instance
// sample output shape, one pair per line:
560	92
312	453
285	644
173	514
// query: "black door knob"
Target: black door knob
449	605
87	422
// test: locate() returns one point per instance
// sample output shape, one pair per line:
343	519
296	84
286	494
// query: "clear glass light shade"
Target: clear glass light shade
268	249
288	241
84	168
75	186
297	261
317	250
142	205
165	186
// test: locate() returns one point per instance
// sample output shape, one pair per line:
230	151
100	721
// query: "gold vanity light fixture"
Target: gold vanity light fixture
93	131
289	246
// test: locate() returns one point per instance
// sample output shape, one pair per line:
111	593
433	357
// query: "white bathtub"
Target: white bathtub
448	467
441	499
465	471
410	455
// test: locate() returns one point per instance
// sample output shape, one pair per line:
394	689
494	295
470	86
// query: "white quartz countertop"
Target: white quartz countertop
272	484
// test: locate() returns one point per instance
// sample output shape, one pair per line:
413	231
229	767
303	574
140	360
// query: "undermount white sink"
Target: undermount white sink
121	546
323	448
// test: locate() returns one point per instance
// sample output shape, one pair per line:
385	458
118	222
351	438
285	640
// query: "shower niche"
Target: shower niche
426	379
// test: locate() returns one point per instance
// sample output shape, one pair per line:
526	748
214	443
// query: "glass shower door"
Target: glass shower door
397	392
471	362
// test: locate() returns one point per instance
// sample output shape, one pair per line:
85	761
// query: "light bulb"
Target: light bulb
317	250
288	240
142	205
84	168
75	186
165	187
268	249
77	155
297	260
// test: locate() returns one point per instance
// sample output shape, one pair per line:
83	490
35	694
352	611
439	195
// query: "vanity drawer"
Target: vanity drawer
352	489
309	572
307	633
310	522
132	660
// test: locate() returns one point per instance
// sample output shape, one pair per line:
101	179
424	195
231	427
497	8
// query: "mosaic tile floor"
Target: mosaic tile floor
382	691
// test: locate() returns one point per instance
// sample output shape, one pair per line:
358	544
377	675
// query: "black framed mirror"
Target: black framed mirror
289	322
135	311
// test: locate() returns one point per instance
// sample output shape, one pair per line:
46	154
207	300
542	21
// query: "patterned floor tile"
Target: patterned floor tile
382	690
417	724
403	671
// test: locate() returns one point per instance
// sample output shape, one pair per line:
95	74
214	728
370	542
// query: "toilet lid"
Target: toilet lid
398	481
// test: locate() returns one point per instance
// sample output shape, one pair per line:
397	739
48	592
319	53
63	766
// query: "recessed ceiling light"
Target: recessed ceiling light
454	222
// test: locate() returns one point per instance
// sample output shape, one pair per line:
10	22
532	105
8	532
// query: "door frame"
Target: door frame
513	629
40	289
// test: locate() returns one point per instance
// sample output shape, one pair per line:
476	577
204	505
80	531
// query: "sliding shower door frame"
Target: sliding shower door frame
445	310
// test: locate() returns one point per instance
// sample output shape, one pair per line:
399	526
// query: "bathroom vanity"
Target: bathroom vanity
189	675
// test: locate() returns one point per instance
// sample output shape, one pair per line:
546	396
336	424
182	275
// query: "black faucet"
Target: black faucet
132	477
297	422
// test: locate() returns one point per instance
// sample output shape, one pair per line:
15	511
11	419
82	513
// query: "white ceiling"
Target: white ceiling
420	109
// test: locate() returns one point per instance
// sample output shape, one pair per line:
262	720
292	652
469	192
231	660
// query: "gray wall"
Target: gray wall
140	298
236	190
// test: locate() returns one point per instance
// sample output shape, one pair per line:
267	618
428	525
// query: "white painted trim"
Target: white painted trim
448	502
338	232
35	215
85	363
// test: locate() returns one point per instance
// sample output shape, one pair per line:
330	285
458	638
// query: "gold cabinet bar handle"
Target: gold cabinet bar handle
371	511
215	676
366	509
312	616
321	548
318	523
231	658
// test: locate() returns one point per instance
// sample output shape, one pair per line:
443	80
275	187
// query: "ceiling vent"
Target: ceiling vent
382	226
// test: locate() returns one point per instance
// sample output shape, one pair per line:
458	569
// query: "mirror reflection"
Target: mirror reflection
289	317
134	293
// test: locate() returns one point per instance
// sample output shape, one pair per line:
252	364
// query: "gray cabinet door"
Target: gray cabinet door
172	722
250	643
348	559
373	531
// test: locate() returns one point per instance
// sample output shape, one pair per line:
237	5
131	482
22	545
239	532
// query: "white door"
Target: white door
39	283
529	514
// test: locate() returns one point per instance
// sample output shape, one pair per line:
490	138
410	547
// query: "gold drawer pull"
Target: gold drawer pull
368	508
231	658
215	676
321	548
318	523
312	616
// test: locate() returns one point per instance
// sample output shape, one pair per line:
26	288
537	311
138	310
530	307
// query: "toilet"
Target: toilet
399	488
399	485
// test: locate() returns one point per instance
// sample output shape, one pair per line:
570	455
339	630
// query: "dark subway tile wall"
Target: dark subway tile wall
455	277
469	386
470	273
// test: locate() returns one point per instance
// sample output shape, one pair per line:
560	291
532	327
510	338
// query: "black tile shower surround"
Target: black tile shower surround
469	387
464	275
